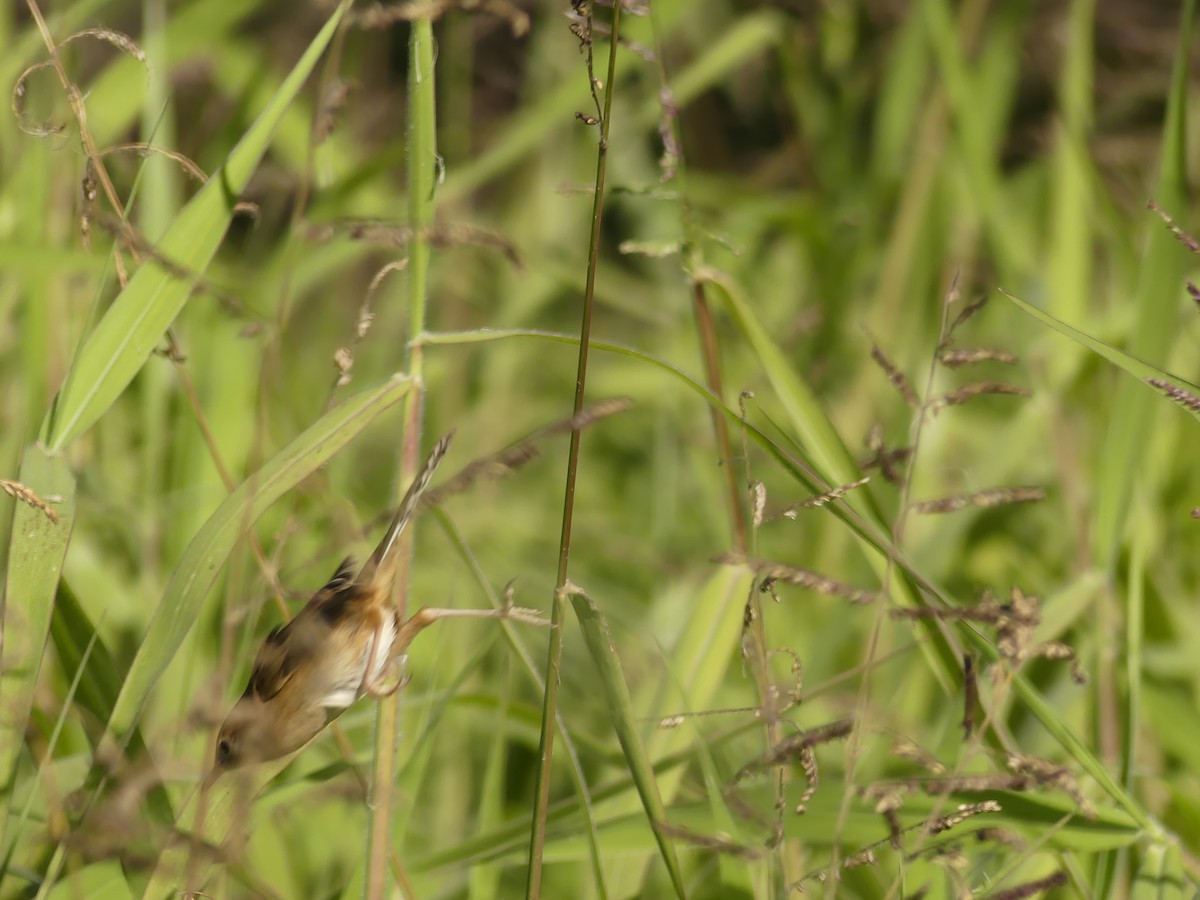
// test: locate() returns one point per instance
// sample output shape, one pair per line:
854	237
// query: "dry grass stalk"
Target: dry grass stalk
332	103
980	500
970	696
388	234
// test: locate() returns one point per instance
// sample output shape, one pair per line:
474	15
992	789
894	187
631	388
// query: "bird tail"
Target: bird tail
380	568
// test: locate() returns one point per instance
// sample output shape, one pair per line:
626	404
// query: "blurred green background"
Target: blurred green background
818	178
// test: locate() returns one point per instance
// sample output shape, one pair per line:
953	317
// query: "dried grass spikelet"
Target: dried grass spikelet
1179	234
504	462
904	748
380	232
332	102
1052	775
28	496
1015	623
384	15
897	378
1184	398
886	460
980	500
964	811
965	314
969	392
861	858
774	572
969	356
1031	888
820	500
793	747
1002	836
718	843
758	502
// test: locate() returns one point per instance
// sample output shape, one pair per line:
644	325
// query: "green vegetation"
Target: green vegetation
969	675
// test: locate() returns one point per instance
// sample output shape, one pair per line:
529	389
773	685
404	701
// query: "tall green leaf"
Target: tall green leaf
133	326
35	559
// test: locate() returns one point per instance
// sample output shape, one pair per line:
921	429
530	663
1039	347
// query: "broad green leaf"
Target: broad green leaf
137	320
206	554
35	558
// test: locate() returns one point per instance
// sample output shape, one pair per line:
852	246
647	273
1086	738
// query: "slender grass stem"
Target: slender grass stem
545	756
421	184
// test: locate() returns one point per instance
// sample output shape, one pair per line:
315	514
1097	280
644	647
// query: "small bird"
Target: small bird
340	647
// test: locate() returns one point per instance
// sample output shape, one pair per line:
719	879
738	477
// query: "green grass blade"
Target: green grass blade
1142	371
122	341
1160	279
864	528
100	881
815	431
79	646
1160	876
206	554
603	650
35	559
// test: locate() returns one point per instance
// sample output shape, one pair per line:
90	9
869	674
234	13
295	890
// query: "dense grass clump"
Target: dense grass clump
813	370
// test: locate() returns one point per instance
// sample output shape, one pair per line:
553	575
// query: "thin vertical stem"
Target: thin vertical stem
422	159
558	611
712	375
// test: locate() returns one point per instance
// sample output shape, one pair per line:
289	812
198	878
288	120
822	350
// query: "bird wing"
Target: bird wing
288	646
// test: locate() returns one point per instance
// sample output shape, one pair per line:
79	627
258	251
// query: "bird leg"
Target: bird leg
422	619
378	688
427	615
